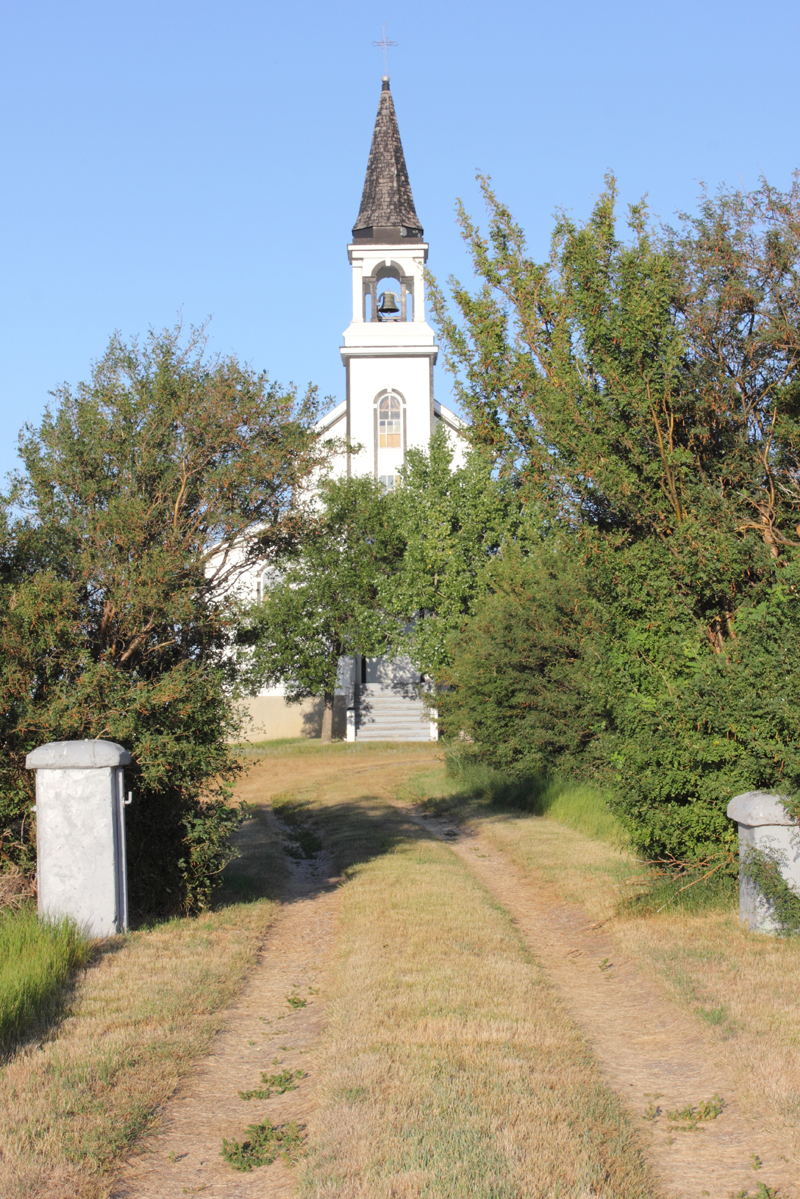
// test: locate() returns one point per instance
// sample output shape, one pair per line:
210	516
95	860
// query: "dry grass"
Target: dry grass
136	1020
741	987
16	888
450	1067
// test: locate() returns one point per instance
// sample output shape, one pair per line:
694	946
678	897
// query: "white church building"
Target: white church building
389	352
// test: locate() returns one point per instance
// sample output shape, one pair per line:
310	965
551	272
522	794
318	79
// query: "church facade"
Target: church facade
389	352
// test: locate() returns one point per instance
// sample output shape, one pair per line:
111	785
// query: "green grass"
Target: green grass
579	806
312	746
37	958
471	790
470	787
136	1020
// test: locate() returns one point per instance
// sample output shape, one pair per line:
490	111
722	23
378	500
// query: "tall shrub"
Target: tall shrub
522	687
145	492
453	521
644	388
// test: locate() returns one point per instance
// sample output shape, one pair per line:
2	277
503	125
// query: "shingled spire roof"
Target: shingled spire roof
387	210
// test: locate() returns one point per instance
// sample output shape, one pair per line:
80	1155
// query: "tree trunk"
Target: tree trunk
327	719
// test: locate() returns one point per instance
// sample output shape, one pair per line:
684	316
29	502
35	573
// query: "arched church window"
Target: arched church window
261	586
389	422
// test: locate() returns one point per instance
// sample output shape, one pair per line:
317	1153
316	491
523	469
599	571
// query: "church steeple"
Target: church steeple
387	211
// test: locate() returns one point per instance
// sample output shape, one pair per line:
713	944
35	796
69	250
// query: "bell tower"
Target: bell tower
389	349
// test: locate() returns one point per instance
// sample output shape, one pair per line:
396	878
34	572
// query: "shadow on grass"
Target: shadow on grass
472	790
259	870
335	838
274	839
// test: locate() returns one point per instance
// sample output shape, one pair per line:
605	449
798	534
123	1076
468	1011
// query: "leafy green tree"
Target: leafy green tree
645	390
146	492
453	522
523	686
325	603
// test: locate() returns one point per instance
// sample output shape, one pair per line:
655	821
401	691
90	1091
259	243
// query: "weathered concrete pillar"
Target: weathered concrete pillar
80	833
765	826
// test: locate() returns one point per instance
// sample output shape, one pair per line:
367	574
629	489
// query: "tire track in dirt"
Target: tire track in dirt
649	1051
182	1156
262	1033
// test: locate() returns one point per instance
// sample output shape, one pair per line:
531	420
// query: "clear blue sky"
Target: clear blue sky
208	157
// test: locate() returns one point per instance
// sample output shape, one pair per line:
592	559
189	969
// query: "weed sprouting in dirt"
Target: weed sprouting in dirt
274	1084
695	1116
690	1118
264	1142
295	1001
762	1191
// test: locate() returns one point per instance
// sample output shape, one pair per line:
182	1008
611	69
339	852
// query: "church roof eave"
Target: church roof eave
451	418
331	418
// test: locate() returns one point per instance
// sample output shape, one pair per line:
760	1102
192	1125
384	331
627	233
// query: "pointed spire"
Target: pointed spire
387	210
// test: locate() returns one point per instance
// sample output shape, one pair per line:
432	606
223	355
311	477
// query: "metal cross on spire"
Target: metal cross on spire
384	44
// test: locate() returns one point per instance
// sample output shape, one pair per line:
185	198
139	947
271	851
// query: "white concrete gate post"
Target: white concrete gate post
80	833
764	825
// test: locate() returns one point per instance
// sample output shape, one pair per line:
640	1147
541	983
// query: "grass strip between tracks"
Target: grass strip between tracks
450	1066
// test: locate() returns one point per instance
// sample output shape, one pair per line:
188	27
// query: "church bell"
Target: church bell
388	305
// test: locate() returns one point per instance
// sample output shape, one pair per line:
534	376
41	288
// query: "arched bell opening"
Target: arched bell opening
388	295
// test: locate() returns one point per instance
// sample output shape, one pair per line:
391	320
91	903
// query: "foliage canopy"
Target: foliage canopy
452	521
326	601
644	390
145	493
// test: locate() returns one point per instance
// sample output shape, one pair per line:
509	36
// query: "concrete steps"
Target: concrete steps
396	714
